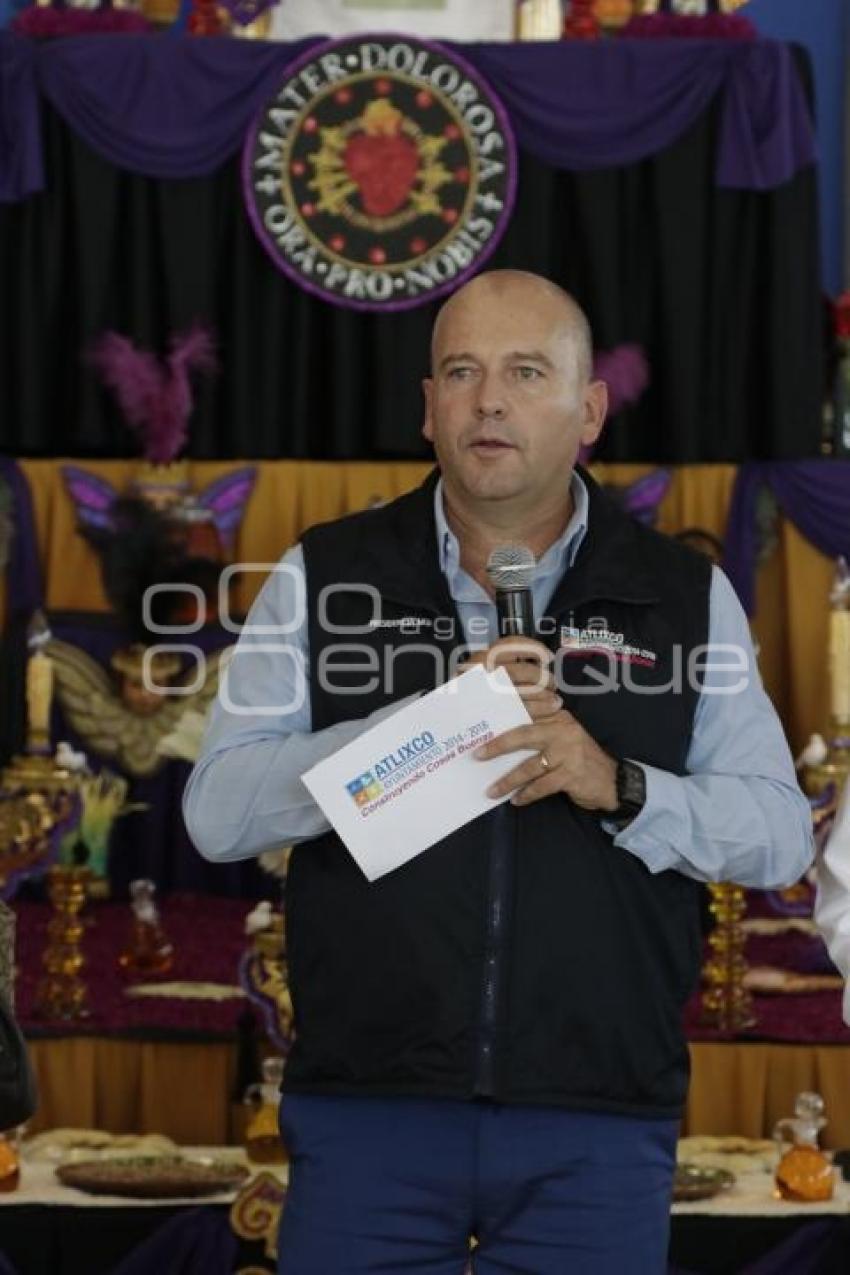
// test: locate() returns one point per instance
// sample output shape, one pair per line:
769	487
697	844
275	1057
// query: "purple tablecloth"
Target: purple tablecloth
208	939
810	1019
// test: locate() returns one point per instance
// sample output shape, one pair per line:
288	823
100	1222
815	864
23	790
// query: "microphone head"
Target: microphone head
511	567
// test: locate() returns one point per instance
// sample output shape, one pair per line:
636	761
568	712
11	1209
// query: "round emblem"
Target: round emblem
382	173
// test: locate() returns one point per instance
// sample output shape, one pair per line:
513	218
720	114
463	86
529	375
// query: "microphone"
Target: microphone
511	571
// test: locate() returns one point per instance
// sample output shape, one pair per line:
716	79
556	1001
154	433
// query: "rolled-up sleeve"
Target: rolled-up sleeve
738	814
832	907
245	795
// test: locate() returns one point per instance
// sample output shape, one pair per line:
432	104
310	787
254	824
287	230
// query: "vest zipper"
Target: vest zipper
498	893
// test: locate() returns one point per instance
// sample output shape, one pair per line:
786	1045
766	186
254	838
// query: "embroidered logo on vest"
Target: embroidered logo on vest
597	638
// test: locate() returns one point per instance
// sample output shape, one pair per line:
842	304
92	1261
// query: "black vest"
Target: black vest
525	957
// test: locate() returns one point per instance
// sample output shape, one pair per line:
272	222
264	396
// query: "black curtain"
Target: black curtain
722	288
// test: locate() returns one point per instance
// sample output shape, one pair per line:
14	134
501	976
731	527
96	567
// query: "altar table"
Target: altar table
178	1067
47	1227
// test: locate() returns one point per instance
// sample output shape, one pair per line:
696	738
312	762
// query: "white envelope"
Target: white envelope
411	780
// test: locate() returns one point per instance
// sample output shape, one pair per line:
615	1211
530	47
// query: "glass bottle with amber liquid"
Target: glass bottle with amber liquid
149	951
10	1164
804	1173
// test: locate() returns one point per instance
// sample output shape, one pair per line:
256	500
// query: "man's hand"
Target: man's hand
566	760
528	664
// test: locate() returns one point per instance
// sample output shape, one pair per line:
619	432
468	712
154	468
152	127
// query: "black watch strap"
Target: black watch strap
631	793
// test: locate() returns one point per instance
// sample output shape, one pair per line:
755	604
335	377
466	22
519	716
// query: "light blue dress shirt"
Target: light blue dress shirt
737	815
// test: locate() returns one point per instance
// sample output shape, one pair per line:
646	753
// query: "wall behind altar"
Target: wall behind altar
823	27
720	286
792	587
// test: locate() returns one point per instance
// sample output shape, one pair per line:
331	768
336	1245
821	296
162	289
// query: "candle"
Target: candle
540	20
39	695
839	665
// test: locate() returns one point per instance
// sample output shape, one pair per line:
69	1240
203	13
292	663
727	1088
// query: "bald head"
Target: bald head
510	400
525	293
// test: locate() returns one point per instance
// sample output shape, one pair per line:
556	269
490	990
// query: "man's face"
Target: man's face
504	407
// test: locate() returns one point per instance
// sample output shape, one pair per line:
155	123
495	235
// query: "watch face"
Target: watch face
631	786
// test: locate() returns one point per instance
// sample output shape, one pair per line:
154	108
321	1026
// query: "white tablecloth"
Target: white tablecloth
752	1196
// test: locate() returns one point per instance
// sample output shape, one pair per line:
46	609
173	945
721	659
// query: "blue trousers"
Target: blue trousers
398	1186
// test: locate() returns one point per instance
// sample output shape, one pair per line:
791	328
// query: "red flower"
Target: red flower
842	316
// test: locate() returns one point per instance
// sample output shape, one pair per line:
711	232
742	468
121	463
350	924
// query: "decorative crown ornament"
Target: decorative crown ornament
165	487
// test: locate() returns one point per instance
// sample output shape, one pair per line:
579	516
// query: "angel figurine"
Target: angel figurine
129	726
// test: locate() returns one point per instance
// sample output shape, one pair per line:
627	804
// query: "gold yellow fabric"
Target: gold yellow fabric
745	1089
185	1090
136	1086
793	586
287	497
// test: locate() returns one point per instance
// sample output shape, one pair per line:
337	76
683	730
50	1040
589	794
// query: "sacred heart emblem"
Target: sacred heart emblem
382	160
381	173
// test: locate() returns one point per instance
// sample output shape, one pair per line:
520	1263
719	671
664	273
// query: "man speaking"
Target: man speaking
488	1038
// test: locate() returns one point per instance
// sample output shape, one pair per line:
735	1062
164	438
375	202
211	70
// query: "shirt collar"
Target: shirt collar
557	558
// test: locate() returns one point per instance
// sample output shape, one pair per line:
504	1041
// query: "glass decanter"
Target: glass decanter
10	1164
149	951
263	1143
804	1173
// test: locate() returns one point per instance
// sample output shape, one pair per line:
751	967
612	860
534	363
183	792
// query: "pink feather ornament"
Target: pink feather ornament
155	397
626	373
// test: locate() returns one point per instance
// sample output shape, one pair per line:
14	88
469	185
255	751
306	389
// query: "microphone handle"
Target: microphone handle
515	608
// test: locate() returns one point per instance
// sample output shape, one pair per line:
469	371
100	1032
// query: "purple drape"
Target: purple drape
197	1242
21	166
23	570
584	106
814	494
180	107
803	1253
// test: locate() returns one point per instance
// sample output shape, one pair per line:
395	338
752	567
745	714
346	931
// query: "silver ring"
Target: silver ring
545	763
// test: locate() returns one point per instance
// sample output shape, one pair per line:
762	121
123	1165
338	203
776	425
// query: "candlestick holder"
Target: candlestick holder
726	1002
38	794
31	827
264	976
62	993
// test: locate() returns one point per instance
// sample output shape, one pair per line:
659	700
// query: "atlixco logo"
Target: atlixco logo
364	788
382	173
395	773
598	639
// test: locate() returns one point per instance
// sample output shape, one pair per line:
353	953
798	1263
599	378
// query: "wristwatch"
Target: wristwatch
631	794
